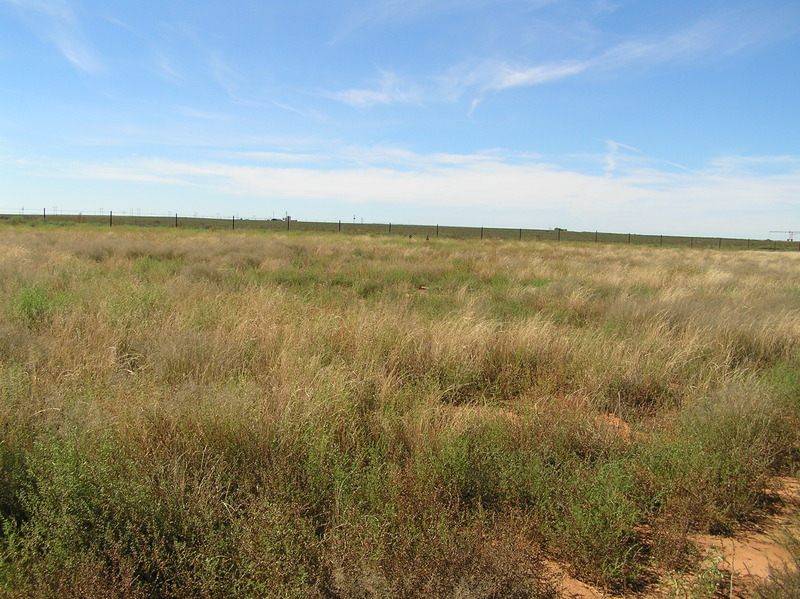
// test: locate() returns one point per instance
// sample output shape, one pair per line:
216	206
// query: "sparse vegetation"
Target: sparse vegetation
784	580
240	414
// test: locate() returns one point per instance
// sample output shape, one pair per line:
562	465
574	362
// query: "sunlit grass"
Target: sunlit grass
248	414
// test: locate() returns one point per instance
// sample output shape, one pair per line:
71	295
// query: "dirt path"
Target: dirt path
738	563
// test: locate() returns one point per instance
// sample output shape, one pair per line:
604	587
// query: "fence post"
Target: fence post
44	214
340	226
558	232
748	244
481	232
233	223
390	228
595	236
691	243
110	218
520	234
660	240
629	237
176	220
288	221
719	247
437	230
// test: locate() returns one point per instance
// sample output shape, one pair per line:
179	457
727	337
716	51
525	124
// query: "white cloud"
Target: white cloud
201	114
496	76
712	38
391	89
55	21
165	67
56	9
612	156
697	41
275	157
641	197
707	40
362	98
507	76
750	164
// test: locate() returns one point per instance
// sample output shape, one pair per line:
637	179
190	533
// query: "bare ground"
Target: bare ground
737	563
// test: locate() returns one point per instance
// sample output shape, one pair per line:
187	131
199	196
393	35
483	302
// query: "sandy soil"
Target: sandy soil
743	559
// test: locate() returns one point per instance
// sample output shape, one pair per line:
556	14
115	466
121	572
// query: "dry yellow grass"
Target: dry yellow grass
350	416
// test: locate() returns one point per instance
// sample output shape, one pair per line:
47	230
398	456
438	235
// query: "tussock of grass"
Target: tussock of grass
238	414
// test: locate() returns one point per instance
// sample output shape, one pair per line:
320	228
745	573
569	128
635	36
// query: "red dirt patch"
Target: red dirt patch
742	561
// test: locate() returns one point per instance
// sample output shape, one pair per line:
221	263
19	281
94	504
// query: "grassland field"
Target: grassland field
406	230
191	413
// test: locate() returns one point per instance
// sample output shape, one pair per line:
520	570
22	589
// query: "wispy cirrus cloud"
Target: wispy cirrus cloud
506	76
756	164
499	76
612	157
390	89
485	77
55	21
375	157
707	40
204	115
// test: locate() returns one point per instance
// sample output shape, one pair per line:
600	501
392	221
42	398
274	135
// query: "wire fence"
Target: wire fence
239	223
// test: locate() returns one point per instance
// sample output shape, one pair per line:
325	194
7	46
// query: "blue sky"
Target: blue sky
678	117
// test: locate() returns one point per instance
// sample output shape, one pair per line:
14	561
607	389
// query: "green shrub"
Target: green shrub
594	522
478	465
33	303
